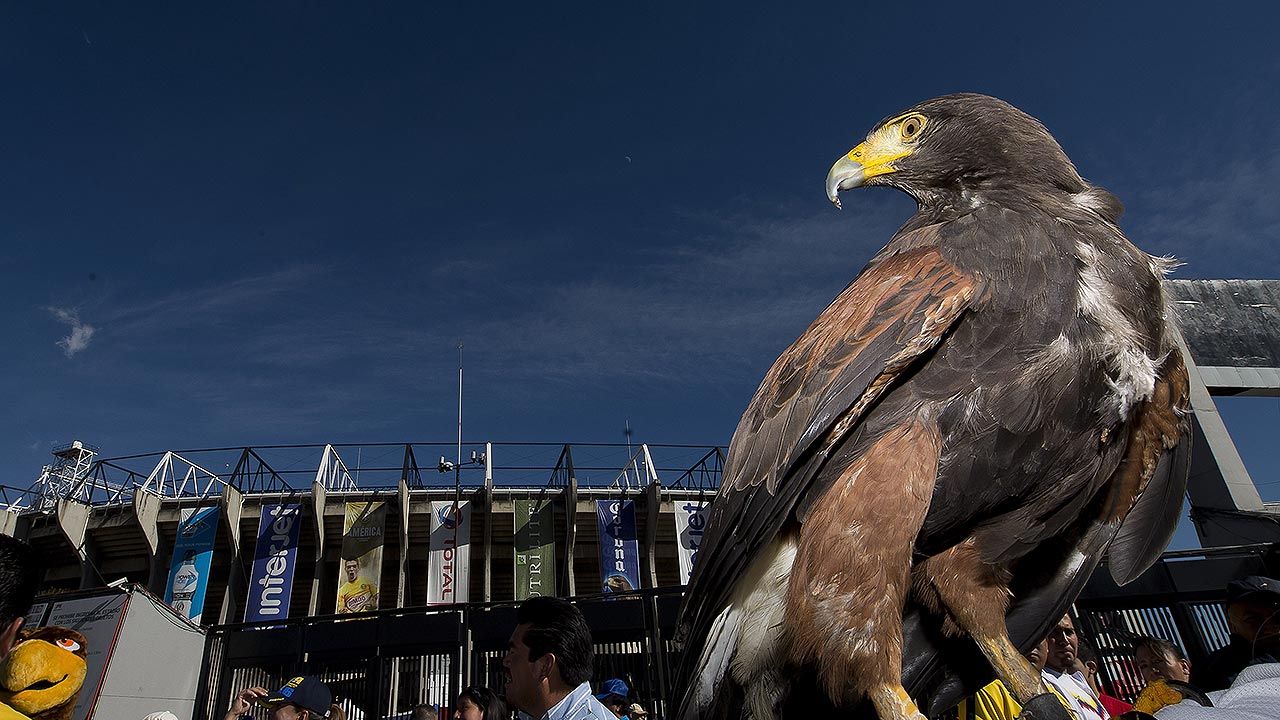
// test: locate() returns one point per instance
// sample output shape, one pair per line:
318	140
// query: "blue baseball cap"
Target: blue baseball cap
304	691
613	686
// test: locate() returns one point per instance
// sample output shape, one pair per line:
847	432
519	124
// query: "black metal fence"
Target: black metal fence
383	664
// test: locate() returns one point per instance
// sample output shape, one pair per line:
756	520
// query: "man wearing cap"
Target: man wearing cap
302	698
548	663
1253	616
614	695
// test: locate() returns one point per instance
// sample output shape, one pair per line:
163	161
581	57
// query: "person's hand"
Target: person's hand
245	701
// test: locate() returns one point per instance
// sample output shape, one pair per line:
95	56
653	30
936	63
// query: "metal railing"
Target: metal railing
386	662
270	469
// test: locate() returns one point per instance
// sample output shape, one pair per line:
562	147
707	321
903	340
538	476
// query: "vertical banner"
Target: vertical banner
274	559
619	549
535	549
361	571
448	572
192	555
691	521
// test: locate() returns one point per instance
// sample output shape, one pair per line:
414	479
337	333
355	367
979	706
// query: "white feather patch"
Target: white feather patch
1131	371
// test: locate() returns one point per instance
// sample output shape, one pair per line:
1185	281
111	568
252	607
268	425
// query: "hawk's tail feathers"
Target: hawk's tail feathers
712	668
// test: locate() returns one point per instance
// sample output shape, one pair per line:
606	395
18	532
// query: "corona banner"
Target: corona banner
619	549
535	549
448	576
691	521
192	555
274	560
361	571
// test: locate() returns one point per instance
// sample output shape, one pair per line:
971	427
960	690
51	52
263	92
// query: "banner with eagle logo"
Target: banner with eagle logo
619	548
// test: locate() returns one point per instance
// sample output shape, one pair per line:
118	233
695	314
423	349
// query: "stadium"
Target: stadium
457	533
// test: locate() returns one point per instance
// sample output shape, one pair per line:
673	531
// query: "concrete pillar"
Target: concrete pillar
1225	505
232	504
487	550
653	499
402	578
8	523
146	513
73	521
1230	487
571	531
317	507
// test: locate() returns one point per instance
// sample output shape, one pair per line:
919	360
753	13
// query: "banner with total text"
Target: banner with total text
274	560
449	565
619	548
361	571
535	549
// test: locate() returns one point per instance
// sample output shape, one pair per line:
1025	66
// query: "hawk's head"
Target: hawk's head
950	146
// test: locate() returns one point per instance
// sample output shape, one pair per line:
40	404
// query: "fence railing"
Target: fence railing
384	663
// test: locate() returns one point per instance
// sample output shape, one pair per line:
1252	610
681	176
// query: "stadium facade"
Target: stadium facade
99	521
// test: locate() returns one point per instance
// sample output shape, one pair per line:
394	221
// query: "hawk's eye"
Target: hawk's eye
68	644
911	127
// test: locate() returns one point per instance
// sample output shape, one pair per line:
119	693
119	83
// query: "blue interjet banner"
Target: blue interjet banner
619	549
192	555
274	560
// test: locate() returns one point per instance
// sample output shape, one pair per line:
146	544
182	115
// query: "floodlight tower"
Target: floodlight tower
66	474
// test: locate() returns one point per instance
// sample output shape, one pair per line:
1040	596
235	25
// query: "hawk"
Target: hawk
926	478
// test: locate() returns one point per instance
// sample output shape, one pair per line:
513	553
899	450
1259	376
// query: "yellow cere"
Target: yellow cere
883	146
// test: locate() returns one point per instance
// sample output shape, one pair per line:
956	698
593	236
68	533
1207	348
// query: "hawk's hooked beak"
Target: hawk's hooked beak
870	159
846	174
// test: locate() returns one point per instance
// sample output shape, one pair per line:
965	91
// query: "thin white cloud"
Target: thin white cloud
81	332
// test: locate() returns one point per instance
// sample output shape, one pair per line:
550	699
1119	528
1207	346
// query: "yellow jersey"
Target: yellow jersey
995	702
358	596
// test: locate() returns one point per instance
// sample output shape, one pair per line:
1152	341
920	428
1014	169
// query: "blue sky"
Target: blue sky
272	223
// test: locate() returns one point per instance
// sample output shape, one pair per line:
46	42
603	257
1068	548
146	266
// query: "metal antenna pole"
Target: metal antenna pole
457	467
457	482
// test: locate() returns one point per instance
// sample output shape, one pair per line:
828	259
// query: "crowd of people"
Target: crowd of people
1241	676
550	657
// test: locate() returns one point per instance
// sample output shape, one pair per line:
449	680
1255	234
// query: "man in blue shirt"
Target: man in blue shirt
548	663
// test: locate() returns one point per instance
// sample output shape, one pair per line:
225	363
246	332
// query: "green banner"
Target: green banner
535	549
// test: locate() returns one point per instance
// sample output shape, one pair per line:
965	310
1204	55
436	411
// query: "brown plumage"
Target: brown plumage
926	478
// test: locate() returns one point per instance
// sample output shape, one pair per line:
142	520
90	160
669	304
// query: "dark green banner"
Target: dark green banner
535	549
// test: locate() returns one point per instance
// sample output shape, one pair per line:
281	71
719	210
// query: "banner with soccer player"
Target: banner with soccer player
691	522
448	569
619	548
192	556
361	571
535	548
274	560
